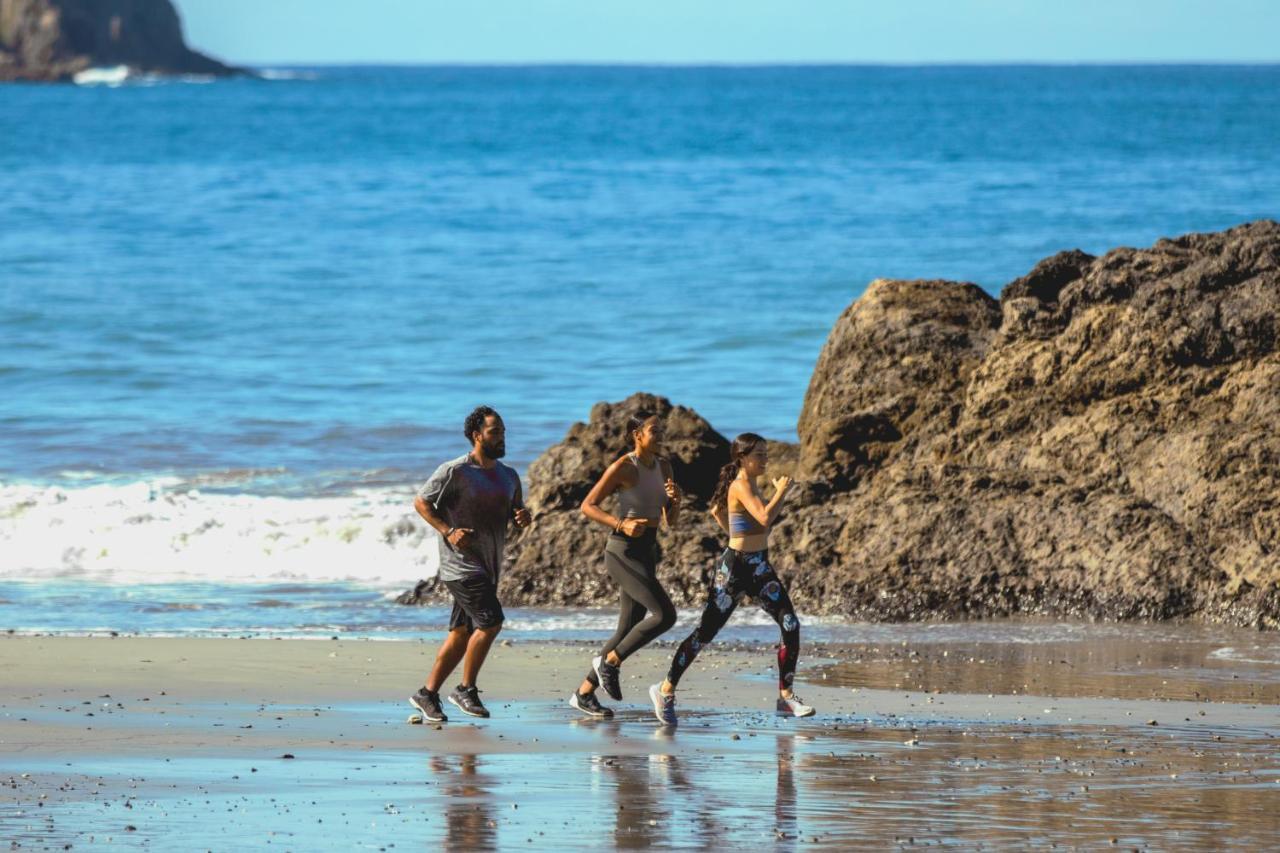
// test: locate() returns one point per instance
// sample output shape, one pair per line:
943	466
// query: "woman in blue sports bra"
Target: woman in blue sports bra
744	570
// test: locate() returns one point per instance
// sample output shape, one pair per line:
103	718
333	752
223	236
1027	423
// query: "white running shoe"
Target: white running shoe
794	707
664	705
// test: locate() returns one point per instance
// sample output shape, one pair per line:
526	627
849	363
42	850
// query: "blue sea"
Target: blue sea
241	320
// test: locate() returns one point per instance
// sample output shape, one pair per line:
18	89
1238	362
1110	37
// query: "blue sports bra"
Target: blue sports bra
744	524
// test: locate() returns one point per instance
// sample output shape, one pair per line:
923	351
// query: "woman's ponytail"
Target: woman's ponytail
743	445
727	475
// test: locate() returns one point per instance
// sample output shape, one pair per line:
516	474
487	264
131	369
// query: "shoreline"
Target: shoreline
306	746
301	740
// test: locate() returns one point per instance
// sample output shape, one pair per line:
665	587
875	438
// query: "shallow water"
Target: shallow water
1183	662
184	740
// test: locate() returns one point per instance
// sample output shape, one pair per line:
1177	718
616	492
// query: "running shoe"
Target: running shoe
664	705
608	675
428	702
588	704
468	701
794	707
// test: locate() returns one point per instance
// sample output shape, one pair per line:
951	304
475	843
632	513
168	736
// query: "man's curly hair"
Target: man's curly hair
475	421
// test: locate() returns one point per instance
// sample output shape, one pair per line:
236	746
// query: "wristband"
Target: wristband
449	532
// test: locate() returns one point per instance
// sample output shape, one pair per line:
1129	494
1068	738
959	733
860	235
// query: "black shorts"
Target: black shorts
475	603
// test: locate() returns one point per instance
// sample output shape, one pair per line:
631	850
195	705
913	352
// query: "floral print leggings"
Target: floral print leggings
740	575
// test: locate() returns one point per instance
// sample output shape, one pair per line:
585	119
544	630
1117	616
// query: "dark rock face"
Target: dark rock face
52	40
892	370
1099	442
560	478
1106	448
559	559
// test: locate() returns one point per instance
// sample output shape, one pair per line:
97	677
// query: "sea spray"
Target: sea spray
156	531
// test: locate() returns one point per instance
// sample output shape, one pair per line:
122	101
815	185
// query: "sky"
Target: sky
263	32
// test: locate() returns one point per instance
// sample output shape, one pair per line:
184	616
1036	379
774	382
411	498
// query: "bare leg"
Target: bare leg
451	651
477	649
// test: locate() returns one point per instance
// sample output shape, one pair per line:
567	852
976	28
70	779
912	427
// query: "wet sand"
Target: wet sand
129	743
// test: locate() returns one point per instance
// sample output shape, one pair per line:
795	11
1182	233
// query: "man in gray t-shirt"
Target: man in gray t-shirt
480	500
469	501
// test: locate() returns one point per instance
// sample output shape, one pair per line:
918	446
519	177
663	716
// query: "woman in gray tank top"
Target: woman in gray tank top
646	494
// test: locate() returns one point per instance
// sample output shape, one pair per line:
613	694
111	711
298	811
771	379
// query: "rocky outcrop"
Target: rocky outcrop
53	40
559	559
1101	441
893	369
1105	446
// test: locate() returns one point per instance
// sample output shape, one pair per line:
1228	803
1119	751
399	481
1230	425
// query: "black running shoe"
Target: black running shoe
608	675
428	702
588	704
468	701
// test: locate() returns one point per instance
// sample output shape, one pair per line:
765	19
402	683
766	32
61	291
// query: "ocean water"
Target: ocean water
240	321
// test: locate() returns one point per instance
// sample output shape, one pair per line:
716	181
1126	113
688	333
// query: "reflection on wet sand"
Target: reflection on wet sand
1190	670
467	803
875	769
1087	787
785	824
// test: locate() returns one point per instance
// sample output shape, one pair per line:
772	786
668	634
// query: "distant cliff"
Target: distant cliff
52	40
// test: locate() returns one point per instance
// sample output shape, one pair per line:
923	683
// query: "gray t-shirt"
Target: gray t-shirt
467	495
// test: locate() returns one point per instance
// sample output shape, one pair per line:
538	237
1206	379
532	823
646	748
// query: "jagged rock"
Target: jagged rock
561	477
559	559
1100	442
1109	451
52	40
894	365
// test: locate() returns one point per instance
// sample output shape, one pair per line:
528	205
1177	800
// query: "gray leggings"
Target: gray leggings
632	563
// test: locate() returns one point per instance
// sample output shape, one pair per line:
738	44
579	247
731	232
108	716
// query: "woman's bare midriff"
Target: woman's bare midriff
747	544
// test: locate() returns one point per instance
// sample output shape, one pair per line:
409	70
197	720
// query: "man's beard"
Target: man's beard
494	451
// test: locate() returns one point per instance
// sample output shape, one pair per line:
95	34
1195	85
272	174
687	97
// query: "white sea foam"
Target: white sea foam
157	531
285	74
1253	654
114	75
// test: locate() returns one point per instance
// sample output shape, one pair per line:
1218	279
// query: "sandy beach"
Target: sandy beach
126	743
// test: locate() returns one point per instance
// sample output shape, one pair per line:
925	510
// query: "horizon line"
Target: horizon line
1011	63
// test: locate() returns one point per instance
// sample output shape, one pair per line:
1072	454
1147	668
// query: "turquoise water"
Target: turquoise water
240	321
314	279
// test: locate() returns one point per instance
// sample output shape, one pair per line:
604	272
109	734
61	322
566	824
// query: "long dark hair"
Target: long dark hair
634	423
743	445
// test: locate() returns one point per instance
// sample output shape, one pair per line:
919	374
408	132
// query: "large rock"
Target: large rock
1108	448
1100	442
561	477
893	370
559	559
52	40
